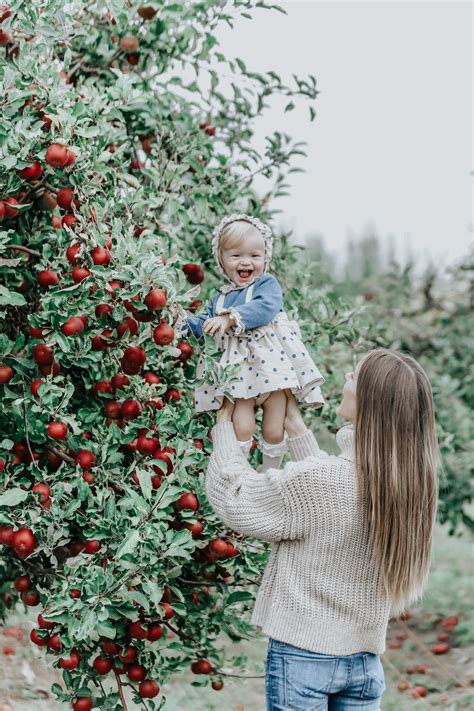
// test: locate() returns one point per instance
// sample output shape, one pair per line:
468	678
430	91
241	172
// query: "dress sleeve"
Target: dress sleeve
195	323
266	302
270	505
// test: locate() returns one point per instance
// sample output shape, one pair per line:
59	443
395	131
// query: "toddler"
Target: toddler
246	318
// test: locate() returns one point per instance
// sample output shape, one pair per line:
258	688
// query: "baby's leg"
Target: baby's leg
273	444
244	423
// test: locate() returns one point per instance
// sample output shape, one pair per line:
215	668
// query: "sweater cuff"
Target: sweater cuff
223	437
304	446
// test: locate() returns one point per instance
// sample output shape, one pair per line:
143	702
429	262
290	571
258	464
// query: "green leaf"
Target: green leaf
129	544
12	497
239	595
11	298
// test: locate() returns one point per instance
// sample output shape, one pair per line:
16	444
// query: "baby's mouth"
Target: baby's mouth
245	273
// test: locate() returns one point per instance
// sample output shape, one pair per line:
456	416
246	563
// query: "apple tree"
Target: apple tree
119	151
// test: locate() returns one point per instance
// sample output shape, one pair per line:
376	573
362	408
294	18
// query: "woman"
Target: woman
351	533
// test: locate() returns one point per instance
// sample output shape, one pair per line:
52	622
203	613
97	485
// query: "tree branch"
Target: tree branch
180	634
61	455
120	690
26	250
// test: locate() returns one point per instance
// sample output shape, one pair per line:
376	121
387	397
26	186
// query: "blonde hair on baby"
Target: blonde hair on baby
233	234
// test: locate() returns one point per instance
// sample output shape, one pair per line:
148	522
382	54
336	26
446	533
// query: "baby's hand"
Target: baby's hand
218	324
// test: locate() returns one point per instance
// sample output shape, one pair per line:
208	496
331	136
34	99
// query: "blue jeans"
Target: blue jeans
300	680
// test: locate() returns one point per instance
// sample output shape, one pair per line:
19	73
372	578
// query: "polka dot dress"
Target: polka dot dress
271	357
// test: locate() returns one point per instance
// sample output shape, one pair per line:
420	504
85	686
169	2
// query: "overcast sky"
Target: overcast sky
391	143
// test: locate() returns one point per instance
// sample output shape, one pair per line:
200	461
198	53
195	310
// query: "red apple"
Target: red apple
44	492
131	409
103	310
92	546
82	703
10	208
152	378
6	535
64	198
102	665
85	458
47	277
100	256
57	155
73	325
120	381
113	409
136	630
129	655
149	689
68	221
71	662
6	374
163	334
44	624
155	299
32	172
110	647
129	325
36	639
155	632
202	666
30	598
134	355
42	354
23	584
72	253
24	542
79	274
136	672
186	350
187	501
147	445
57	430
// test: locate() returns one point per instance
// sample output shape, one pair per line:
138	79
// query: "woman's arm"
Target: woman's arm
263	505
301	441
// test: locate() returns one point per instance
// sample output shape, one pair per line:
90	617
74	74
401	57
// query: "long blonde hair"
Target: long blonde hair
396	453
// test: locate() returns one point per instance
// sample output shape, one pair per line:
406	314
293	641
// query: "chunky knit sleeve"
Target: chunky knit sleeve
304	446
270	505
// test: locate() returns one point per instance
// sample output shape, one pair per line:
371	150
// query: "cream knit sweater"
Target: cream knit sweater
319	589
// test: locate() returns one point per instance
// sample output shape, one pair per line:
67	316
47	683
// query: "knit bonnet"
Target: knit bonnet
261	227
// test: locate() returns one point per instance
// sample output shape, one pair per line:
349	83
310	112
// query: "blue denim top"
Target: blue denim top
265	304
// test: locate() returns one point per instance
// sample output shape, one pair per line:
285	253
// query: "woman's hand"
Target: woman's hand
226	411
294	423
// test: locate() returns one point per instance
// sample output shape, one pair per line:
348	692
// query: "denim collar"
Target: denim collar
231	287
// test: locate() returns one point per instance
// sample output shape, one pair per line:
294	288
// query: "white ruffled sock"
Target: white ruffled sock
272	454
245	447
